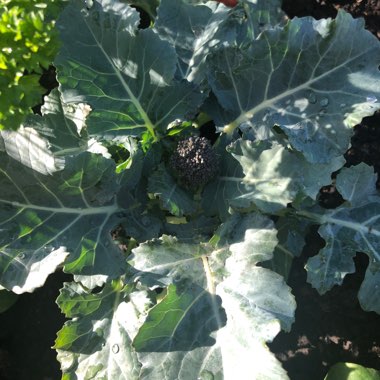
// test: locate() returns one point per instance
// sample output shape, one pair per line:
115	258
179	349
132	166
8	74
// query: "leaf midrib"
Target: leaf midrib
110	209
148	123
268	103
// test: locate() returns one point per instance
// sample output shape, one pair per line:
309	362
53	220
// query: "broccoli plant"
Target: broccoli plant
179	250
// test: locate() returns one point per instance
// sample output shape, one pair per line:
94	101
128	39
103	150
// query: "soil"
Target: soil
28	330
328	328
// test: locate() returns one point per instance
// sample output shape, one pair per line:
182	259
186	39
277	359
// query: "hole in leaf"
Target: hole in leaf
329	197
118	153
208	130
145	20
97	290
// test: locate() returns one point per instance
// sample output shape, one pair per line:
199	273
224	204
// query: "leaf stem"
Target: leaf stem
111	209
361	227
210	281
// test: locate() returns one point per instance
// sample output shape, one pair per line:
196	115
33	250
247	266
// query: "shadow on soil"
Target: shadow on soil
28	330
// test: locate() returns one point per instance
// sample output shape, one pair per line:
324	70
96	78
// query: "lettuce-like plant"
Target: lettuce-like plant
198	288
28	45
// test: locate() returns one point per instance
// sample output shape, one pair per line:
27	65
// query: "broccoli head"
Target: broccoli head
195	162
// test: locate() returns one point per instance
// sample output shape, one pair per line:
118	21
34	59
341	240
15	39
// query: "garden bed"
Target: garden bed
328	328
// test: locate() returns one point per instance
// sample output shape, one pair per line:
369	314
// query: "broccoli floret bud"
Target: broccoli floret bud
194	162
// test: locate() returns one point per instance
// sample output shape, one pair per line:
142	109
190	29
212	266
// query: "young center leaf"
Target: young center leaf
357	184
173	198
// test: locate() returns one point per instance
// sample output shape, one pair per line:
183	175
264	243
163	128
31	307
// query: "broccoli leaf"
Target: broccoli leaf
97	343
125	75
187	335
195	31
173	198
45	217
29	147
312	78
291	241
219	194
368	293
42	142
273	175
347	230
357	184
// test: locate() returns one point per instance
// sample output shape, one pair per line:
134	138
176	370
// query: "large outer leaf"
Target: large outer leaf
316	79
44	217
187	345
170	325
348	230
125	75
195	31
96	344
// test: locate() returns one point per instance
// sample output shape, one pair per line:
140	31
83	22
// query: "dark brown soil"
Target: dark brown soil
333	327
369	9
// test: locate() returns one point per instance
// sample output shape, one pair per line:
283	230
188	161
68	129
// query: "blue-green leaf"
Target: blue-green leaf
357	184
42	142
245	305
315	79
96	344
291	241
126	75
274	175
353	227
173	198
44	218
196	31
